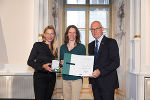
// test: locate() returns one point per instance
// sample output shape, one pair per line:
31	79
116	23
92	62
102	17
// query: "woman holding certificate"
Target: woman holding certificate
40	59
72	85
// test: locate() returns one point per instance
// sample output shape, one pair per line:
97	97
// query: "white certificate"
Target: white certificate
78	65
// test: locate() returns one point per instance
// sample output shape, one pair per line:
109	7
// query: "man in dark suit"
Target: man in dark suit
104	79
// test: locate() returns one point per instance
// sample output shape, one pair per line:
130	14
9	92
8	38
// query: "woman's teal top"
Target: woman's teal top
78	50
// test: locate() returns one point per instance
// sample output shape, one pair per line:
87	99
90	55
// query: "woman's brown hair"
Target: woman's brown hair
66	39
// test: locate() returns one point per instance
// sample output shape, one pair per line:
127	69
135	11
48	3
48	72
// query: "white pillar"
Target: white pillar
135	31
41	17
36	20
137	17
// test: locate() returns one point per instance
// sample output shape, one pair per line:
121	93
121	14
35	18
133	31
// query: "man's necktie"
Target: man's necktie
96	51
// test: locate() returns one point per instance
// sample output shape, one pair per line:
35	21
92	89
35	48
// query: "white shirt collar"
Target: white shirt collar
100	39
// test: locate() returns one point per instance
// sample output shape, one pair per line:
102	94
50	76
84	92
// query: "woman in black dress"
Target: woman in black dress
40	59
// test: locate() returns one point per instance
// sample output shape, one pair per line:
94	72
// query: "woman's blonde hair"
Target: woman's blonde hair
54	42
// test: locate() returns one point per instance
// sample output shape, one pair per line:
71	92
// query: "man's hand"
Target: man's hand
90	87
96	73
46	67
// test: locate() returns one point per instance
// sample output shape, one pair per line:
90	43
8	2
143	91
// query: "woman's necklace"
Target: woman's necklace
71	45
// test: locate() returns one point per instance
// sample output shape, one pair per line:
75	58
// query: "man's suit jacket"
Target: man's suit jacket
107	62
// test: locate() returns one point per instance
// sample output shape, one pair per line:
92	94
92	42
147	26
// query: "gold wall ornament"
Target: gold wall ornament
41	34
137	36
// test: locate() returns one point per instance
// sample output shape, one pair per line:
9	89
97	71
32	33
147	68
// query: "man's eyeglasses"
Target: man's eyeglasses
93	29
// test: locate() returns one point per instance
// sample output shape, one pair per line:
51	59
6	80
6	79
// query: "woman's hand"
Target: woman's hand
62	62
46	67
90	87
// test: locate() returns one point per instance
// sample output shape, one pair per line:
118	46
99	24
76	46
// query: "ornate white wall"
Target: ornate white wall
119	32
145	34
140	49
132	34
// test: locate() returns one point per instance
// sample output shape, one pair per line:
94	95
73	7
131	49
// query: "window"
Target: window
76	1
82	12
76	16
99	1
